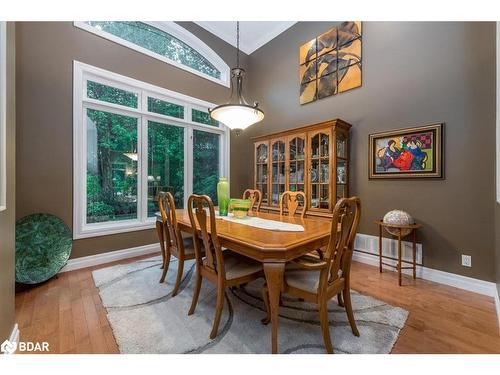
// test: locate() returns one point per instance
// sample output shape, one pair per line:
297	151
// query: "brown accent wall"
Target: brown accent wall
45	54
414	73
7	217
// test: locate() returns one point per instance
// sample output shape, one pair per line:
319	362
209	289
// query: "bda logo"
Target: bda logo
8	347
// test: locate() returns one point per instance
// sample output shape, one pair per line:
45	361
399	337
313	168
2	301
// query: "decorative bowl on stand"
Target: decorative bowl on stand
398	217
240	207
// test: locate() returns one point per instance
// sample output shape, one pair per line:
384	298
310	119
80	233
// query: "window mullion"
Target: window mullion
188	166
143	170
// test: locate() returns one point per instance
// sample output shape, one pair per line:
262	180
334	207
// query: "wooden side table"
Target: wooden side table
399	228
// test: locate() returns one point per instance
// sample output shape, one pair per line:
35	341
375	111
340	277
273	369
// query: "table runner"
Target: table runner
258	222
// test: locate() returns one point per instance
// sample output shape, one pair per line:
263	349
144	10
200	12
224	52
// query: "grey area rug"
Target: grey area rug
145	318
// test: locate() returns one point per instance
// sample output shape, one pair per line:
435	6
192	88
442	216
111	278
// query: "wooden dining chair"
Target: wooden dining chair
255	197
223	268
173	243
318	280
289	201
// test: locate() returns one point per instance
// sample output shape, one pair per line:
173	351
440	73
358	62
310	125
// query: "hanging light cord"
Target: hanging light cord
238	44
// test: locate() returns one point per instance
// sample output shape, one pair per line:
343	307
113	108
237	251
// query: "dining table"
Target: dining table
273	248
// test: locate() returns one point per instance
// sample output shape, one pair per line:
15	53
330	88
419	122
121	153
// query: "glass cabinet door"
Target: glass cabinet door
296	163
342	169
319	178
262	167
278	179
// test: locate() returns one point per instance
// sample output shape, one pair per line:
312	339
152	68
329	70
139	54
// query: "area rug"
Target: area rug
145	318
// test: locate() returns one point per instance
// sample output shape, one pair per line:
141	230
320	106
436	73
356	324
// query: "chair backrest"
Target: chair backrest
290	201
338	255
255	197
173	234
205	241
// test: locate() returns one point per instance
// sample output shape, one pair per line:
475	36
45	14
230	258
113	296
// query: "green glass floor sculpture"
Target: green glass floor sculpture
43	246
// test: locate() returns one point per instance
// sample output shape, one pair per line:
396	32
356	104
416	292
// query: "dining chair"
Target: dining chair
255	197
289	201
318	280
173	243
223	268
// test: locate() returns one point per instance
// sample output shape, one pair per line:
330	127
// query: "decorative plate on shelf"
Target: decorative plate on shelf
43	246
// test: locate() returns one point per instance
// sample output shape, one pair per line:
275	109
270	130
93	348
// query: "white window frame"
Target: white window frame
3	115
83	72
180	33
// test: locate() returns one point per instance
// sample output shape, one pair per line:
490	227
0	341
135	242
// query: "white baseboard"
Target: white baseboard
14	338
458	281
369	244
111	256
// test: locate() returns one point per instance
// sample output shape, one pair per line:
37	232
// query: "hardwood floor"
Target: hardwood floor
68	313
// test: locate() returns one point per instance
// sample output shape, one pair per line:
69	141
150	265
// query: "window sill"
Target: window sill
106	229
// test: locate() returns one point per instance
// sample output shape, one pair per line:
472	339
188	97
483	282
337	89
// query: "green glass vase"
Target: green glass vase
223	196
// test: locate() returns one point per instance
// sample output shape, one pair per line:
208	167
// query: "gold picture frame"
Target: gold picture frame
407	153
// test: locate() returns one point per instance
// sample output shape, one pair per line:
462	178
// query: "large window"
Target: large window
133	140
166	41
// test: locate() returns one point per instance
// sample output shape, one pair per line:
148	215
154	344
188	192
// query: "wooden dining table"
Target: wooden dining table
271	247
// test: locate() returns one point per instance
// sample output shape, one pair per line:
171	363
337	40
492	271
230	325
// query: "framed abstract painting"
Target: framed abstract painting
407	153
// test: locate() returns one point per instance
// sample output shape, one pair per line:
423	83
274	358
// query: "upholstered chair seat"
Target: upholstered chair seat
237	266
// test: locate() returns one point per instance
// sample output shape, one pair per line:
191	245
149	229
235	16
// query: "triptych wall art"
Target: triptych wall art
331	63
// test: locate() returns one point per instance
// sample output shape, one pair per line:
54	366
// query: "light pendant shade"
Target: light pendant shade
237	114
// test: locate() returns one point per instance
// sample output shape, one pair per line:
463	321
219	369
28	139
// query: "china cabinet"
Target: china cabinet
313	159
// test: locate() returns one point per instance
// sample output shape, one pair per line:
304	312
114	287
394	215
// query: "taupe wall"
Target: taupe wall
7	217
45	54
413	74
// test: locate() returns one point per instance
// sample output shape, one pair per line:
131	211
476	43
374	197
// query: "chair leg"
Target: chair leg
265	298
348	309
340	300
166	263
325	327
180	271
196	293
218	310
161	238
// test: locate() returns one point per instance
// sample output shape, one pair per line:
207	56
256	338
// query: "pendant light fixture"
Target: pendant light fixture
237	114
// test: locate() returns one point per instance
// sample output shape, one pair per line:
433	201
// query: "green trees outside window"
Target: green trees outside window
203	118
206	147
110	94
111	166
159	42
165	108
165	163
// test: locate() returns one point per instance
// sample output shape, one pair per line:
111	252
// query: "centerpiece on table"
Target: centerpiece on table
240	207
223	196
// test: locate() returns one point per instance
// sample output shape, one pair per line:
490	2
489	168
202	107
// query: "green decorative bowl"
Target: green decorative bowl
240	207
43	246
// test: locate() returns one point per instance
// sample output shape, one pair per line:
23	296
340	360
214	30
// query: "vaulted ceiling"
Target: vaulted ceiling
253	34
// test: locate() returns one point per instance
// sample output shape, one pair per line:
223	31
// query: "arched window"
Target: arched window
167	42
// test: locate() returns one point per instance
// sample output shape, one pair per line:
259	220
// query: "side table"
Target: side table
411	229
